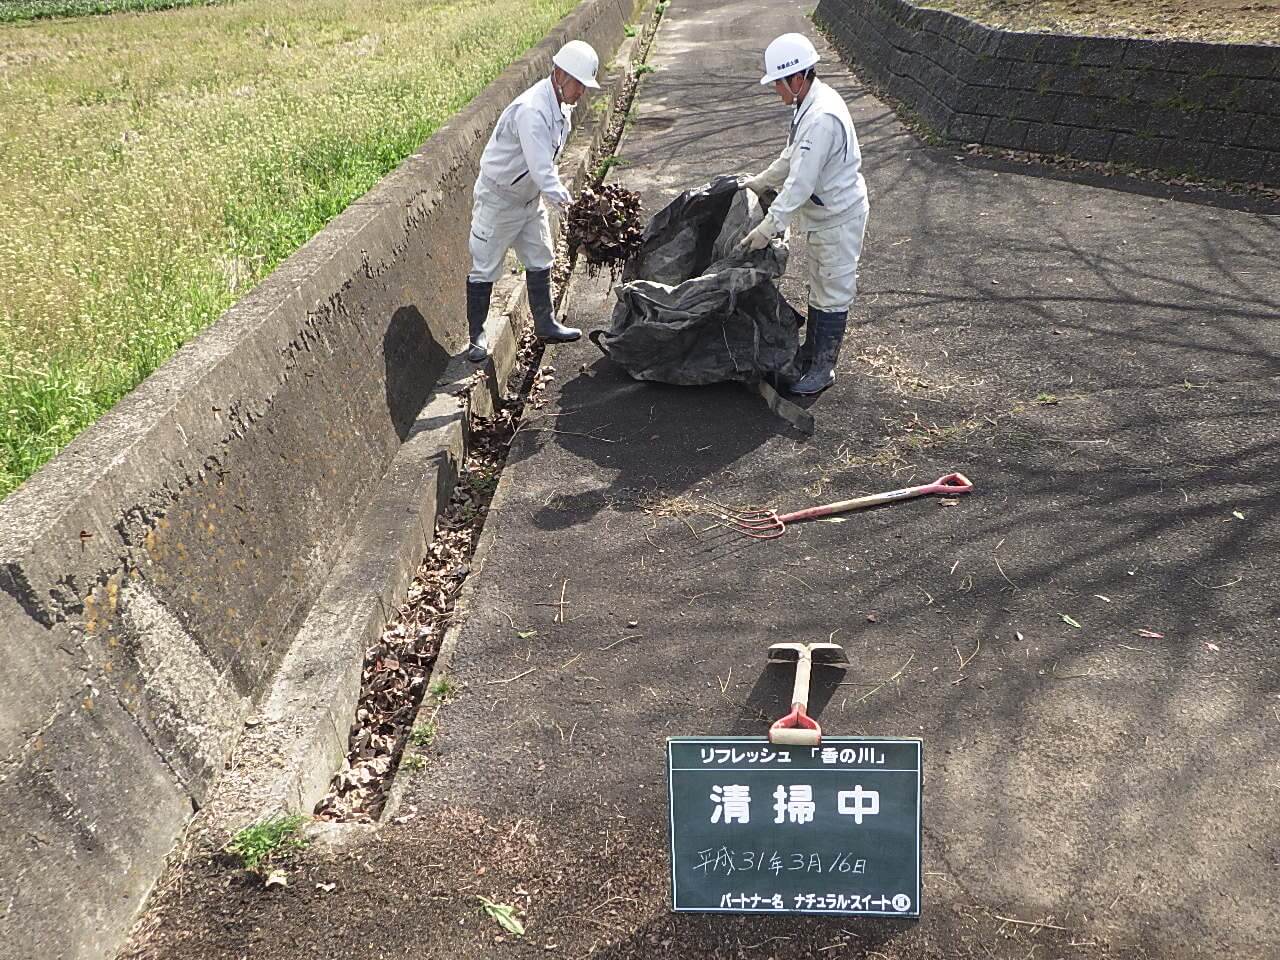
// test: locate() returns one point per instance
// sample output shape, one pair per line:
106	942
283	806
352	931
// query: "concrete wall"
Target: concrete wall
1209	109
153	575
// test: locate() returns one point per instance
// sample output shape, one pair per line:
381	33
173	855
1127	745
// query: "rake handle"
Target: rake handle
952	483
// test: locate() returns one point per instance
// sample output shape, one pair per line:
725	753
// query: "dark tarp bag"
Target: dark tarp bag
690	311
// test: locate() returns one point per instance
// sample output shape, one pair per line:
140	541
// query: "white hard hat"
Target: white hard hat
579	60
790	53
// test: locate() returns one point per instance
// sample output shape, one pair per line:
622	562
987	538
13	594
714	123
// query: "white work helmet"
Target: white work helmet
790	53
579	60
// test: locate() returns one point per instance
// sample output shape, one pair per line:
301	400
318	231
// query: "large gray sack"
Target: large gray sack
691	311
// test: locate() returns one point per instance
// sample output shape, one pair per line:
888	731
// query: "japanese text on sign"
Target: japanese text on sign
829	829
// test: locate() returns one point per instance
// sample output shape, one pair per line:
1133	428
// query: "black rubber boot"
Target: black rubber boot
827	334
478	296
804	352
545	325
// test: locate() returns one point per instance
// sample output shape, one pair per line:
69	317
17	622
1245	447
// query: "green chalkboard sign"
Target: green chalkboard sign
833	829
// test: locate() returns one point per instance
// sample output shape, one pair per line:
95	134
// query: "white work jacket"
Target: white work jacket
519	161
819	175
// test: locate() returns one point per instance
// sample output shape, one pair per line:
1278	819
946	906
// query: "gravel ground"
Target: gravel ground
1218	21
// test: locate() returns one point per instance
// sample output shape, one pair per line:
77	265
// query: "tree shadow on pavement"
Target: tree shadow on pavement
658	440
1205	196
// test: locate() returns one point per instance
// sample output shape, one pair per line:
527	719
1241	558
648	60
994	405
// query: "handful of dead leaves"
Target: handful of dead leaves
604	223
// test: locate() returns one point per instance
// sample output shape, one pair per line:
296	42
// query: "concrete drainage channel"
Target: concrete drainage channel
405	675
398	669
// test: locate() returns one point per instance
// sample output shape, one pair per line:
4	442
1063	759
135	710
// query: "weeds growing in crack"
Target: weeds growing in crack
444	690
423	735
261	844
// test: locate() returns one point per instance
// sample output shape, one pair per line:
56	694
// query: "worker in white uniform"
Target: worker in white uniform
518	178
820	189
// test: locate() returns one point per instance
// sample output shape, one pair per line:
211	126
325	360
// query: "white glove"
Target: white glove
754	184
757	239
560	201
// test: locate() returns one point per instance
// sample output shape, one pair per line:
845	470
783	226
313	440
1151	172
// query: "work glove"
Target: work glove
754	184
560	201
757	239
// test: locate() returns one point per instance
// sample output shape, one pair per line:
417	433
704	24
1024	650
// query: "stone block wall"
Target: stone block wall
1207	109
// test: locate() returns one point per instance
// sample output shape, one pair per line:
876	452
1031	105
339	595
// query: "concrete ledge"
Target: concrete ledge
1211	110
157	575
56	819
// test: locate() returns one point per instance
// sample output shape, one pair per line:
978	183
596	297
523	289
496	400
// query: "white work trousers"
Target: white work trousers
499	223
833	263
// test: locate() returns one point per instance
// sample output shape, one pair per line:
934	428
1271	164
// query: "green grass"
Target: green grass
260	844
443	689
158	166
423	735
607	164
16	11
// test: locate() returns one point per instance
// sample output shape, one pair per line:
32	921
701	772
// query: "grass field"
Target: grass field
13	11
160	164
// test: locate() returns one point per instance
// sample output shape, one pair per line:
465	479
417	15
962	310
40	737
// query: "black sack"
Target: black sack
692	312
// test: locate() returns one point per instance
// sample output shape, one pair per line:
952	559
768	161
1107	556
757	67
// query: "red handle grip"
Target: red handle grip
951	483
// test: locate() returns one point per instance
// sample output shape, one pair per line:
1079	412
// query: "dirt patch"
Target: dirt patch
417	891
1219	21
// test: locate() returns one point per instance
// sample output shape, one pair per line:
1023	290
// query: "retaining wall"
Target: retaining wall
1208	109
153	576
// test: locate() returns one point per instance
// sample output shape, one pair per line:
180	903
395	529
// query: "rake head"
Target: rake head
760	524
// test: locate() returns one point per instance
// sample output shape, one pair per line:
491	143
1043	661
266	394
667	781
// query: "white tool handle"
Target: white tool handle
800	692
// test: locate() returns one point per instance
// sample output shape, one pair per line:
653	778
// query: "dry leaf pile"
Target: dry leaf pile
395	671
604	224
